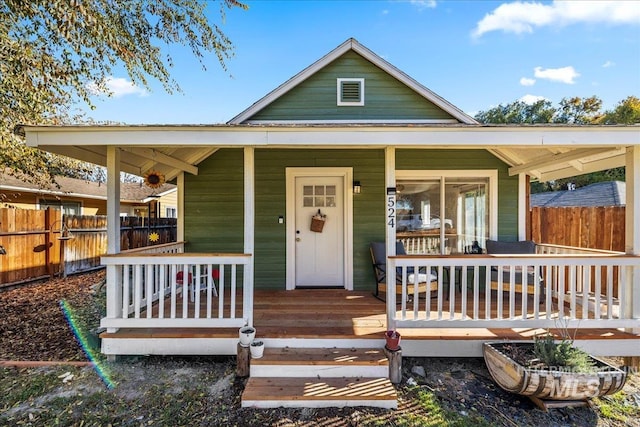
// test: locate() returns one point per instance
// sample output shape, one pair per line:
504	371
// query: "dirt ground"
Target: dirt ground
205	391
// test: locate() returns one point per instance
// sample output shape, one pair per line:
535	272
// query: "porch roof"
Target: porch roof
545	152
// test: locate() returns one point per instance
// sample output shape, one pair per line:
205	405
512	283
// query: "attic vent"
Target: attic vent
350	91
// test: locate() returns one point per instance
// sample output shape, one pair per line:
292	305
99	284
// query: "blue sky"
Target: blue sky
475	54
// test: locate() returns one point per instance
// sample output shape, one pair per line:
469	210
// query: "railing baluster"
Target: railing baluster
487	292
463	290
149	294
572	290
137	297
512	293
232	292
173	278
163	289
185	290
221	287
586	282
500	313
598	292
126	283
524	291
209	289
610	292
476	292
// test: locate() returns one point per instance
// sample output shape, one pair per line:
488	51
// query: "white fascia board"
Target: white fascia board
419	136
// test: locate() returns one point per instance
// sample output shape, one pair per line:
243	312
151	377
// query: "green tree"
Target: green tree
626	112
54	52
579	111
540	111
576	110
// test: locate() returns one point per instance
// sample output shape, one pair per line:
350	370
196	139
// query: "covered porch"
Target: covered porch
159	312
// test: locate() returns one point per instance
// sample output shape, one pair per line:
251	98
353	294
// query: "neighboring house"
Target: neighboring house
355	139
608	193
81	197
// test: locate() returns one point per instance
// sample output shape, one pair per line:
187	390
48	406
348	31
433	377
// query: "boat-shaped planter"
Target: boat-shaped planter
554	383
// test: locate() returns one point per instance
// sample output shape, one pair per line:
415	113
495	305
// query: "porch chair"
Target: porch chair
521	247
378	252
195	285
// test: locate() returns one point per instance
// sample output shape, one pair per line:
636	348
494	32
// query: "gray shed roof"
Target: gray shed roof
609	193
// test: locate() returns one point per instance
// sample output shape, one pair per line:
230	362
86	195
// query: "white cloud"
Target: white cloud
608	64
525	81
117	87
523	17
424	4
563	75
531	99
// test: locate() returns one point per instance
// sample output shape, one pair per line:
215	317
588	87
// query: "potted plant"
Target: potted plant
547	369
247	334
392	340
257	349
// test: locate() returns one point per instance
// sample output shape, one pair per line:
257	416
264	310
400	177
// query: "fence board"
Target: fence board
584	227
31	239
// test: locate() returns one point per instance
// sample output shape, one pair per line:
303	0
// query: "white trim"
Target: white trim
405	136
291	174
492	174
181	209
390	238
356	121
113	200
249	232
340	102
522	206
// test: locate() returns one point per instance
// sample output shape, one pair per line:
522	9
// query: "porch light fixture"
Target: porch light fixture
356	187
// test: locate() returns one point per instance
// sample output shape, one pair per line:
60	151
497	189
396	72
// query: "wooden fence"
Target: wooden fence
584	227
35	241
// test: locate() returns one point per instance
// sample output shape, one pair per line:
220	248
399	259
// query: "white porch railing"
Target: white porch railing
491	291
167	288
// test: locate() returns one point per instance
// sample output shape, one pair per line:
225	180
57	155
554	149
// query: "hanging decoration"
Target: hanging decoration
154	237
154	179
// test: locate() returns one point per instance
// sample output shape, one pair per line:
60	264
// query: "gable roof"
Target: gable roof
130	192
609	193
352	45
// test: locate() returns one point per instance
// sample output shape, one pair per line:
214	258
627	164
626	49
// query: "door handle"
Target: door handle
298	239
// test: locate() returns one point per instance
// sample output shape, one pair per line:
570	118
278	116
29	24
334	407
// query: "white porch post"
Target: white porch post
114	290
390	214
249	232
180	231
632	231
522	207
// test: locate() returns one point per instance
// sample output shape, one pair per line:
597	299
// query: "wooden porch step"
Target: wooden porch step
319	393
321	363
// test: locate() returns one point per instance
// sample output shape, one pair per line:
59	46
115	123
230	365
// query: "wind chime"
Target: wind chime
153	179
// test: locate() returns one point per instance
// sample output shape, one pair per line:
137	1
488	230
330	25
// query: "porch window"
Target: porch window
446	213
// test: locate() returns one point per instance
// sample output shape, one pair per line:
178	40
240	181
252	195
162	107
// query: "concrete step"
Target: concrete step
321	363
313	392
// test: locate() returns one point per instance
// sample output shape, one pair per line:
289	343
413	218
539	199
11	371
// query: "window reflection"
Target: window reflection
442	215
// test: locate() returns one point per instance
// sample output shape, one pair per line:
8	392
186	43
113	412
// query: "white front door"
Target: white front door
319	255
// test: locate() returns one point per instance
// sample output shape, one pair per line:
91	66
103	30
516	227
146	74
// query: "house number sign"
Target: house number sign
391	207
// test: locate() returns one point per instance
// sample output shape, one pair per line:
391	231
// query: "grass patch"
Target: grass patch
618	407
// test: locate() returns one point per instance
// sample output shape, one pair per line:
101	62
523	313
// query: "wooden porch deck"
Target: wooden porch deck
323	316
